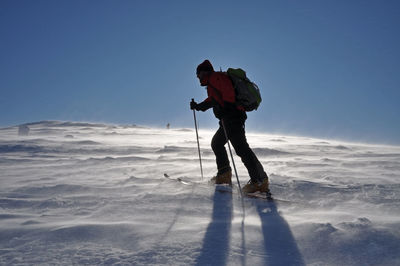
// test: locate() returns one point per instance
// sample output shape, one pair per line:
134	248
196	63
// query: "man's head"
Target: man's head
203	71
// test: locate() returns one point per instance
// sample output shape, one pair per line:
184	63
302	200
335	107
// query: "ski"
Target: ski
224	188
267	197
185	182
260	195
221	188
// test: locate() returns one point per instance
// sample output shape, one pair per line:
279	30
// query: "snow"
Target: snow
95	194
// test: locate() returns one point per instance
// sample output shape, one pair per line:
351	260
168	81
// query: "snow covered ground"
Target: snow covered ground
93	194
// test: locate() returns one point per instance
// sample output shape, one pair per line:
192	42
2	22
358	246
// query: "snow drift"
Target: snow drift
81	193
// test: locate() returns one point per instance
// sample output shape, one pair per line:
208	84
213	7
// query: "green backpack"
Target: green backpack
247	93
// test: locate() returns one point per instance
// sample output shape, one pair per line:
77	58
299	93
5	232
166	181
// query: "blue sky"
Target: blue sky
326	68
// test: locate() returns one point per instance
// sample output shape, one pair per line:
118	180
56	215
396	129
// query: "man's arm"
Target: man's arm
203	106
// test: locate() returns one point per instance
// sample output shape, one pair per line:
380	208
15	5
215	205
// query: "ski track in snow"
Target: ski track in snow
94	194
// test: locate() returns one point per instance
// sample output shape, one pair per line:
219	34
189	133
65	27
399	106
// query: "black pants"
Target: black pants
236	134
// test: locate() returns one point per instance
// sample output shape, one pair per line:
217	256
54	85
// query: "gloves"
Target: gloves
193	105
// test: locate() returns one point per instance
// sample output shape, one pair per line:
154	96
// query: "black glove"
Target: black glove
193	105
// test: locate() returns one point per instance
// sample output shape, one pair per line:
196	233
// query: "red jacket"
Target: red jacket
220	88
221	96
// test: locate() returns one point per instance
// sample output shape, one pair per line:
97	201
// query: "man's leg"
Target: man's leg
218	146
236	134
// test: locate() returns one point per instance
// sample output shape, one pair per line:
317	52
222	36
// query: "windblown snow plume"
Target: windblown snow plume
94	194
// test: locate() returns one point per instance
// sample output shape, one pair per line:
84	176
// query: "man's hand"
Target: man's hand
193	105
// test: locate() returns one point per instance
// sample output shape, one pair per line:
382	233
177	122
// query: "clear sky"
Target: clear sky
325	68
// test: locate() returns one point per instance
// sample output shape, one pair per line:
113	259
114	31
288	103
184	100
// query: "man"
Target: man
221	97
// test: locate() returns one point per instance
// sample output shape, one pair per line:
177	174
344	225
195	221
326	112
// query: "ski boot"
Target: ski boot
225	179
257	187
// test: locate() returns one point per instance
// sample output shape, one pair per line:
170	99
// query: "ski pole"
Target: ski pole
233	162
198	143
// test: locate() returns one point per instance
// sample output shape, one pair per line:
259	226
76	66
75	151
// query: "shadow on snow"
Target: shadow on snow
215	248
279	244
